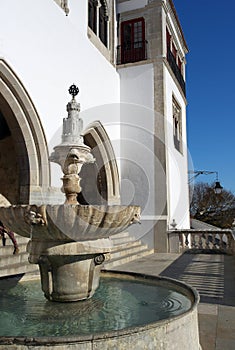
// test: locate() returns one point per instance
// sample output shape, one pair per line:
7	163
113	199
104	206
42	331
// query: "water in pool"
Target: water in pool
117	304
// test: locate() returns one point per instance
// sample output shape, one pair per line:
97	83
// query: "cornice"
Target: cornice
170	8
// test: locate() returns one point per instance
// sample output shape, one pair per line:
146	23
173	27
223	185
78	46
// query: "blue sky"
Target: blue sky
209	30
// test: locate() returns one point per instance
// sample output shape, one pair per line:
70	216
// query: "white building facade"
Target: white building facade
128	59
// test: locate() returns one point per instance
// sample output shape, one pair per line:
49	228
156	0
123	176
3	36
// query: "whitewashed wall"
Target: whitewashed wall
137	125
49	52
178	197
138	159
137	145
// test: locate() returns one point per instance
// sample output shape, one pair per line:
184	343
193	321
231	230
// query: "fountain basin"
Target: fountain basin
69	222
69	242
146	312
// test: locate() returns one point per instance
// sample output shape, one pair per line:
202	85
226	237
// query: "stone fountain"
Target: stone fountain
70	242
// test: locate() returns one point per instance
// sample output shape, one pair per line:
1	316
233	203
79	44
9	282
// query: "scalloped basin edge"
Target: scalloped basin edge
71	222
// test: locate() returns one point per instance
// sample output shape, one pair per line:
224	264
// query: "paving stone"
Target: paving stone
208	309
224	344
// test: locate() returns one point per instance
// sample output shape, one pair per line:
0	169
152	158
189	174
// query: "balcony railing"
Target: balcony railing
175	69
132	52
222	241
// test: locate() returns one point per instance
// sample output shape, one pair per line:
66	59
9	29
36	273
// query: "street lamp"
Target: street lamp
218	188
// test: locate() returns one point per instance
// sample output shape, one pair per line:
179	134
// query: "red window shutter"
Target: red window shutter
174	50
133	40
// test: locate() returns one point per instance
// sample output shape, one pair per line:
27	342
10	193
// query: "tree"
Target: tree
214	209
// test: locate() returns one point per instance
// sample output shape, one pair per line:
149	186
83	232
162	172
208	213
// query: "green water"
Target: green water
117	304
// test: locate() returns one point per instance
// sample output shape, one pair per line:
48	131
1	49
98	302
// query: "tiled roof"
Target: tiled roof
200	225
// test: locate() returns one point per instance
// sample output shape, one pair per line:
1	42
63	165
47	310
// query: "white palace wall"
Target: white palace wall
49	51
178	196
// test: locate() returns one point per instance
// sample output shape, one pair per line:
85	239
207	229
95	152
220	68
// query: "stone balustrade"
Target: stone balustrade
221	240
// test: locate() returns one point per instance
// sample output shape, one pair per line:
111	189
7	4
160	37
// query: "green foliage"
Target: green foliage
214	209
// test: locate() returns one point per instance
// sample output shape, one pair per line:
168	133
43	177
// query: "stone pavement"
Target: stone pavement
213	275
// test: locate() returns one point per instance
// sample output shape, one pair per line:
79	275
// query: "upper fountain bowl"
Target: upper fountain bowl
69	222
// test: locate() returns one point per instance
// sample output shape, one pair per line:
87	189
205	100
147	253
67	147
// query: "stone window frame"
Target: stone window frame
177	125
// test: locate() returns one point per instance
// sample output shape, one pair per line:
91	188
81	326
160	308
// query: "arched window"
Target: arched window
92	15
103	23
177	125
98	19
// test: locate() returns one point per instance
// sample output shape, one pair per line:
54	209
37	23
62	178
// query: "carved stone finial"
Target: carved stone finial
73	90
72	153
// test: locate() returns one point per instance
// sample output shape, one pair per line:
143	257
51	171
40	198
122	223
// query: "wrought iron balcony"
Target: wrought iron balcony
175	69
131	52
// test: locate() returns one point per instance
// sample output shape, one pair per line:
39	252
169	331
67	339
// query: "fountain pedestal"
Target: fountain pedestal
71	272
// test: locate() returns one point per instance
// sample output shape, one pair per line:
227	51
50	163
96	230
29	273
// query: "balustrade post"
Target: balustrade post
213	241
233	237
229	243
207	243
200	241
221	246
186	240
175	242
193	240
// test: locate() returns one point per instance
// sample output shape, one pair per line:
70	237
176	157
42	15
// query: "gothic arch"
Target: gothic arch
96	137
27	136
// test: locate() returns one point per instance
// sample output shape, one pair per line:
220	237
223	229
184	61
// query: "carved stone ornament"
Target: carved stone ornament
64	5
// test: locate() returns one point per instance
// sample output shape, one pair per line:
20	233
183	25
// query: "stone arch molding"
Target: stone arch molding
27	132
105	5
96	137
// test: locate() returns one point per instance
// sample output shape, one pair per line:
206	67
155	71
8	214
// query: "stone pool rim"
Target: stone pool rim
176	285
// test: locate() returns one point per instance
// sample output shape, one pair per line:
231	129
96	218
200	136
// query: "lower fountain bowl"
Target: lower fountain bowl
128	311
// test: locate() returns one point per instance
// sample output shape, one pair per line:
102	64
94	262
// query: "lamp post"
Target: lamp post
217	188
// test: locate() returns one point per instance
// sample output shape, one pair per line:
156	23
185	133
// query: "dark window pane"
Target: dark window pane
92	16
103	26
